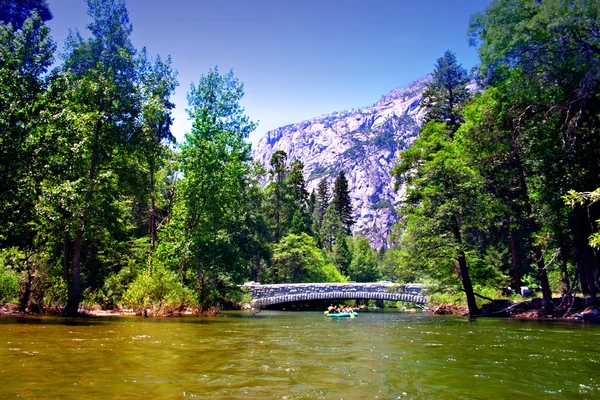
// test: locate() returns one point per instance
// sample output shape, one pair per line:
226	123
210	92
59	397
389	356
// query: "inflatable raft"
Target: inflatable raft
341	315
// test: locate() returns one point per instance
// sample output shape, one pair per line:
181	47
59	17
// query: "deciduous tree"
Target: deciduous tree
215	165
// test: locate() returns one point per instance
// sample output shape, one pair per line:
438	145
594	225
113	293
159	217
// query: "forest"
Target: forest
102	208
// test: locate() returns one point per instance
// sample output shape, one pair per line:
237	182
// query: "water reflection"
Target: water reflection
276	354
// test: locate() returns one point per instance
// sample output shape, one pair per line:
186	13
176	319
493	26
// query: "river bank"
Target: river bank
12	310
578	310
564	309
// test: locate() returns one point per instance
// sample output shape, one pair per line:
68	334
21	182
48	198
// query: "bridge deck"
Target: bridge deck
265	295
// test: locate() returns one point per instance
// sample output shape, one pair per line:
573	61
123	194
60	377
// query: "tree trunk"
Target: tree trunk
546	292
582	277
515	265
202	299
530	225
66	268
152	211
75	292
75	295
152	217
463	271
589	274
25	294
255	270
277	213
467	285
564	266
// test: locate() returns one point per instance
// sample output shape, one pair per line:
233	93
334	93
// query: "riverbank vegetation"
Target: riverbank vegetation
101	207
501	180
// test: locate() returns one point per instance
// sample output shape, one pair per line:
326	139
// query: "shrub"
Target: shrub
160	291
9	285
9	279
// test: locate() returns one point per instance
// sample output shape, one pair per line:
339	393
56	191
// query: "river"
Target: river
297	355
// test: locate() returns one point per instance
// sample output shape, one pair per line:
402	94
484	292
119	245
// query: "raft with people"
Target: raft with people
341	315
340	312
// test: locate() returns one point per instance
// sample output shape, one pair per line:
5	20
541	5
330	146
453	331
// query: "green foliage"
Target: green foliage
9	279
300	223
25	56
330	226
447	92
287	197
215	161
16	12
575	199
364	266
342	203
541	59
296	258
340	254
55	291
97	201
112	292
322	198
444	197
159	290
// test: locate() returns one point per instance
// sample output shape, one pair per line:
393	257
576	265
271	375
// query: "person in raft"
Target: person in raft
330	309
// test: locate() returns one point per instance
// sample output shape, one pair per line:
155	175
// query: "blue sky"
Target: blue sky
297	59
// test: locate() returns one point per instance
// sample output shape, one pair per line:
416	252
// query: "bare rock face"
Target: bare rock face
365	144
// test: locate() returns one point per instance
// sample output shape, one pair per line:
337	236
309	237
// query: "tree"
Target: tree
543	57
297	199
322	198
342	202
329	228
15	12
158	83
574	199
299	223
295	179
103	108
444	195
253	236
215	164
296	258
364	266
444	198
491	139
276	192
341	255
25	56
447	92
287	197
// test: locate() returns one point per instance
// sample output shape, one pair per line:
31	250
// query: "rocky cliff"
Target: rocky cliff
365	143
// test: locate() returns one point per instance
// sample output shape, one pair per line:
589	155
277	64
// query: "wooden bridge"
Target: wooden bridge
266	295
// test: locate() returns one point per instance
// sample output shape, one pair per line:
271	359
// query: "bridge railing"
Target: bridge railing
279	293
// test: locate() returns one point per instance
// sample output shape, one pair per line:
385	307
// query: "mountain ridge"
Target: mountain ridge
365	144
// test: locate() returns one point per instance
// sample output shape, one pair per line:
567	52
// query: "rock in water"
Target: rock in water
365	144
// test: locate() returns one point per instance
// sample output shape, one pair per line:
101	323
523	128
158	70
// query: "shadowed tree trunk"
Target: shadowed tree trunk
75	294
530	225
463	271
515	265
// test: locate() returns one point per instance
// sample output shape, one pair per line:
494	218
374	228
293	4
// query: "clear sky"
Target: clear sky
298	59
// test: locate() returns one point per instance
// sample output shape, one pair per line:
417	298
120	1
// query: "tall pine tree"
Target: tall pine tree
342	203
445	95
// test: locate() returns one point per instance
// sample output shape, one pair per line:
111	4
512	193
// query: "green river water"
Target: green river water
297	355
